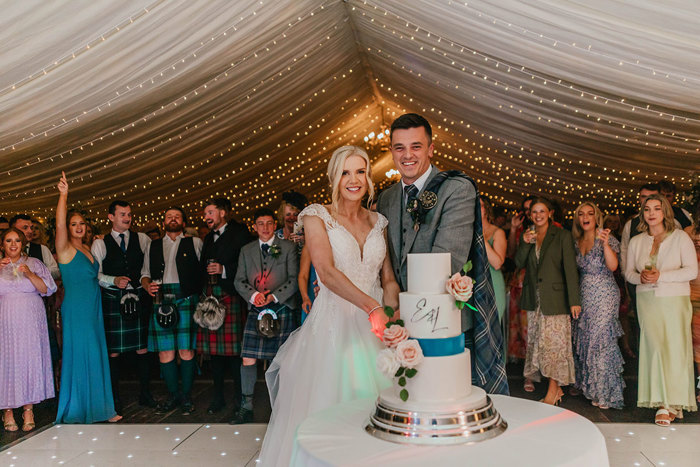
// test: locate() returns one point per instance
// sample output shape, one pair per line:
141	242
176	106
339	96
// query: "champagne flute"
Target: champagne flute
533	231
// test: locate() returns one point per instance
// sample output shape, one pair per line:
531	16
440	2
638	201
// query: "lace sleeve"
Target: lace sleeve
382	222
317	210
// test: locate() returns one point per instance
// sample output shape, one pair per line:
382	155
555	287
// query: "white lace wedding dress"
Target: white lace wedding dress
332	357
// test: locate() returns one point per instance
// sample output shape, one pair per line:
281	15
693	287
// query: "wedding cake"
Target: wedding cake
432	400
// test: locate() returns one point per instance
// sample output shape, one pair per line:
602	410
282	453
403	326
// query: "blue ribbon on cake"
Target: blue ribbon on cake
442	347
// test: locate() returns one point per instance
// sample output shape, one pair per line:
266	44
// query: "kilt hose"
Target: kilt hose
225	341
125	335
265	348
181	337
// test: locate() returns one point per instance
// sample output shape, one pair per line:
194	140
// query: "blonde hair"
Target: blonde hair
666	209
576	230
280	211
335	171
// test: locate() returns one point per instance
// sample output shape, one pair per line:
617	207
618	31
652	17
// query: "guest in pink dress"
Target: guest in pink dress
26	377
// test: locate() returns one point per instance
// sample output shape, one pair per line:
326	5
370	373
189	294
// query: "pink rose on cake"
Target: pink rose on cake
394	334
460	287
387	363
409	353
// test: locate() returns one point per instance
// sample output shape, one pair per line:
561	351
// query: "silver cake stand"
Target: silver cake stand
397	425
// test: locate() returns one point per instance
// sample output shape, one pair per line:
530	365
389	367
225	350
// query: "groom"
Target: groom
438	212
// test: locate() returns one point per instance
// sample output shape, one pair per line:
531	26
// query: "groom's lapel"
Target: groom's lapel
411	234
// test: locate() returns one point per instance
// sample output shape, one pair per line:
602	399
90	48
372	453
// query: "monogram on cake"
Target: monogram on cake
439	403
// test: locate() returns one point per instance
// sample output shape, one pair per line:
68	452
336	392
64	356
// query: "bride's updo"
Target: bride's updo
335	171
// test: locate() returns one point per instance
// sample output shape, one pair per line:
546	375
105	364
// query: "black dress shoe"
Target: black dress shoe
242	416
168	405
216	406
187	407
146	400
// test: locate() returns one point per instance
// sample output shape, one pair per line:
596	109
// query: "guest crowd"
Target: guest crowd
569	301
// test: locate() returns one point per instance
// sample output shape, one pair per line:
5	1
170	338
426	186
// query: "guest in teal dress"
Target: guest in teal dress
86	389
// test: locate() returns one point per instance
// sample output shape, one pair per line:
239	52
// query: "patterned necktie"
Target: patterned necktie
122	243
265	248
411	192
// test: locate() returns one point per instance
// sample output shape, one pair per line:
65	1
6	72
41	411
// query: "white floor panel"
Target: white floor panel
210	445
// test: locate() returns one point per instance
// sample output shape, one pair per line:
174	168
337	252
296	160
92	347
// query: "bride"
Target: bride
332	357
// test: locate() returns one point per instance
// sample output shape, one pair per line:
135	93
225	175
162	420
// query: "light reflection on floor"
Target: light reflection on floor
629	444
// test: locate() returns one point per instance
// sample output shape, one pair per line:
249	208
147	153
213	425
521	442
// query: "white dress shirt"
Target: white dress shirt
170	247
419	183
216	239
99	252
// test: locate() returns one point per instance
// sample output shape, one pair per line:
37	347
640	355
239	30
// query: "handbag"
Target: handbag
210	313
268	323
129	305
167	314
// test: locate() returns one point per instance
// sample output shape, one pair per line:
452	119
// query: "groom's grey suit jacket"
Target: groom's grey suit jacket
447	228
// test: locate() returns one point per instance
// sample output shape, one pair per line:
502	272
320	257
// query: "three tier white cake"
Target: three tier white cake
443	381
442	406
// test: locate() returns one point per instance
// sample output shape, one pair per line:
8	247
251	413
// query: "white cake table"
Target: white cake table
537	435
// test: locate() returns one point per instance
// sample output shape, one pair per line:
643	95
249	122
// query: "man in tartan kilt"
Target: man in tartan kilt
222	246
267	279
171	270
120	256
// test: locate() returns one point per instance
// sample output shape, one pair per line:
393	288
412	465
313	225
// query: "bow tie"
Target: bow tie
216	234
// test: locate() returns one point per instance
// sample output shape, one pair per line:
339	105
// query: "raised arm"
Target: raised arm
63	247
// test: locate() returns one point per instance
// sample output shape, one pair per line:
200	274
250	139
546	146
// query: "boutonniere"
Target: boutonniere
418	207
274	250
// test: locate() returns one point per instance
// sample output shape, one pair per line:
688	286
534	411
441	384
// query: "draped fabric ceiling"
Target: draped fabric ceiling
168	102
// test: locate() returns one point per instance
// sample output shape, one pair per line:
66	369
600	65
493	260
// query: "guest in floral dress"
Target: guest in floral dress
597	357
26	377
551	296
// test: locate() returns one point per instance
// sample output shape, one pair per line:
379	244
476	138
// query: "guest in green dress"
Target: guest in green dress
496	245
661	262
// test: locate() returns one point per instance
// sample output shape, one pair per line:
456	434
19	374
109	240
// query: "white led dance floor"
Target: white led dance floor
139	445
629	444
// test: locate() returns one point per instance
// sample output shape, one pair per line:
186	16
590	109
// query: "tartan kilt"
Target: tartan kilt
181	337
125	335
264	348
227	339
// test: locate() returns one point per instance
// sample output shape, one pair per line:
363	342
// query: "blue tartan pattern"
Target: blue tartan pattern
263	348
488	368
184	335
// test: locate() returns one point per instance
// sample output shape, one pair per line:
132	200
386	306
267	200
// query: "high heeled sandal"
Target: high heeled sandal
28	426
9	426
664	417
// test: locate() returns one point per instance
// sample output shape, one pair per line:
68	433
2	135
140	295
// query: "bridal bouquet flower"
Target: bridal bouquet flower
402	355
